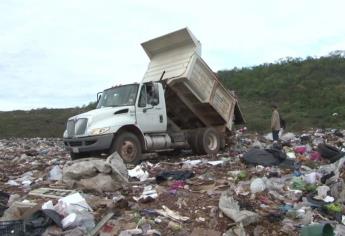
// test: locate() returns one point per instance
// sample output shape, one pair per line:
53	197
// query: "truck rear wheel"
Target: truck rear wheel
193	141
209	141
128	146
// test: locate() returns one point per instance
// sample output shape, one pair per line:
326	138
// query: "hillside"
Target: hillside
308	92
37	123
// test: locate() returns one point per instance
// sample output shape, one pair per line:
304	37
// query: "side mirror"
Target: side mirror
154	102
99	96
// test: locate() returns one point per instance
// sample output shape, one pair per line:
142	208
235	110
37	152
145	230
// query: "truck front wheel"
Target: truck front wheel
128	146
76	156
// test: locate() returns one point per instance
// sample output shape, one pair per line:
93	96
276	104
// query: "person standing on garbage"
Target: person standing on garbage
275	123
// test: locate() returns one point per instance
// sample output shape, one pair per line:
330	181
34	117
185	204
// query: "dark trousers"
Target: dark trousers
275	135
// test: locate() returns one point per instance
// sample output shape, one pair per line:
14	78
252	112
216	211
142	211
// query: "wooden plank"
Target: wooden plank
51	192
100	224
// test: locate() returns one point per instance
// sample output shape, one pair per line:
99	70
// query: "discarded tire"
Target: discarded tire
315	202
12	228
329	152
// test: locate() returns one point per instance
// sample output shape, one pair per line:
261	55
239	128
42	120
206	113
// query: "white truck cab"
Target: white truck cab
129	111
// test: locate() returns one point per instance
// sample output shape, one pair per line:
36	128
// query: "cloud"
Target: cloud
61	53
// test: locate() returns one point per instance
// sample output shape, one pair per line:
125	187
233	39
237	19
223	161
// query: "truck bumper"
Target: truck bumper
88	144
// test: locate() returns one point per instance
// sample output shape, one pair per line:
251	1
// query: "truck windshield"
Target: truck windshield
119	96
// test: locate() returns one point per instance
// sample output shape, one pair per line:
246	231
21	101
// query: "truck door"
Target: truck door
151	111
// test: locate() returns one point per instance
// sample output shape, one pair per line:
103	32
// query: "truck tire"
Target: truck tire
329	152
193	141
128	146
222	143
76	156
209	141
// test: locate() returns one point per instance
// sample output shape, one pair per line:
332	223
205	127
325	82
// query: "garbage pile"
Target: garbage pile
256	187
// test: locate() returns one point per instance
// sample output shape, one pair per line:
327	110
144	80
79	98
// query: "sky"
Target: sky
58	54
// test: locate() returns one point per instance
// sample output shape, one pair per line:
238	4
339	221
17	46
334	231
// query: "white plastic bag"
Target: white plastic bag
257	185
55	173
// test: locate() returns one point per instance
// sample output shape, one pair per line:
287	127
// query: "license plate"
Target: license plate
75	150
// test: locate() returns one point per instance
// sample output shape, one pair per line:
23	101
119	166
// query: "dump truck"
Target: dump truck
179	104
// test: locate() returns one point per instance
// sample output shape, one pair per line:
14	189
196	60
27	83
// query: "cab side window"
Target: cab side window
152	94
143	96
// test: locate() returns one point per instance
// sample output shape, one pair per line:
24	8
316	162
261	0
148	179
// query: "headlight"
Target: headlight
65	134
98	131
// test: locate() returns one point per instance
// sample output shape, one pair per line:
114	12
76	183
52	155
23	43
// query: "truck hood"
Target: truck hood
100	121
102	113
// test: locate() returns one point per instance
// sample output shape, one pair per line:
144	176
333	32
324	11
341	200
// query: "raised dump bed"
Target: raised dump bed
195	96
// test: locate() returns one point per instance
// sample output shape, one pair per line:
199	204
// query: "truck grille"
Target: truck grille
76	127
70	128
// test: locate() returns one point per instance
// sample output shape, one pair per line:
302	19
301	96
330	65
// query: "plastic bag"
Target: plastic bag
257	185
